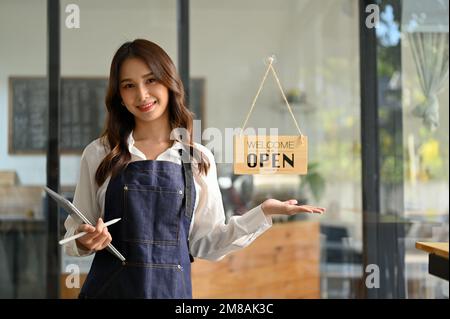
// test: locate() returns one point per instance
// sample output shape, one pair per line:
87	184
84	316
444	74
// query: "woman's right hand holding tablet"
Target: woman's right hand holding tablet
97	238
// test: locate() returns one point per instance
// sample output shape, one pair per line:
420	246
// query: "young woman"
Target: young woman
171	208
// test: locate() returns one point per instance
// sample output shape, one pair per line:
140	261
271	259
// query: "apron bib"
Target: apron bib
155	200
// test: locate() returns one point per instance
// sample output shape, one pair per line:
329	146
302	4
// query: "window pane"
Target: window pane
86	54
425	139
317	51
23	125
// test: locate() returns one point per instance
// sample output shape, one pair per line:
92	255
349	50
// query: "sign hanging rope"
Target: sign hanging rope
270	68
271	154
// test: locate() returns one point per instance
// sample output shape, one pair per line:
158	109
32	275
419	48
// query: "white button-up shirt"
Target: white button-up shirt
209	236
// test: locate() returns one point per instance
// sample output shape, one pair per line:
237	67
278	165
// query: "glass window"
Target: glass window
425	138
86	54
23	125
317	52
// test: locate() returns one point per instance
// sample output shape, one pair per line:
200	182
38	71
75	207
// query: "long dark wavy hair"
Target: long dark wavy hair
120	122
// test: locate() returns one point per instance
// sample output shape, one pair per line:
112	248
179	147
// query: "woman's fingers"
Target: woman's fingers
99	226
299	209
290	207
85	227
294	209
103	240
303	208
100	236
94	236
315	209
97	238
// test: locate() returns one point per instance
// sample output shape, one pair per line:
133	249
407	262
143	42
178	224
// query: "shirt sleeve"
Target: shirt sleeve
211	238
85	201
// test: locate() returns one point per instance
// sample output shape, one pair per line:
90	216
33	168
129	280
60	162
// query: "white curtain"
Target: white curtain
430	51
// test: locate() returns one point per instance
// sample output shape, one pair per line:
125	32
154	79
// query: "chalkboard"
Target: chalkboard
82	113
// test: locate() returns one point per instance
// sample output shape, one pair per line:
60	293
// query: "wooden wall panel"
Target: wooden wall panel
284	262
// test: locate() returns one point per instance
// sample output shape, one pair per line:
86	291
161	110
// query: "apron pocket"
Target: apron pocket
152	214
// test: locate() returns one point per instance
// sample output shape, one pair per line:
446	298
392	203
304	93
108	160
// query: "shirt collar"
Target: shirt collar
135	151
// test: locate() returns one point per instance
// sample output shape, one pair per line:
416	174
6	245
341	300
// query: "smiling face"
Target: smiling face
141	93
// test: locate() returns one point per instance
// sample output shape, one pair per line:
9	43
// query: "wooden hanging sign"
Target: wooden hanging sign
270	154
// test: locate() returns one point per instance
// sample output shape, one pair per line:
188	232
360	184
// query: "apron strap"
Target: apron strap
188	182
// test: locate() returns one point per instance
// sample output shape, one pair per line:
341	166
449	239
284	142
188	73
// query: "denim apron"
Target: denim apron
155	200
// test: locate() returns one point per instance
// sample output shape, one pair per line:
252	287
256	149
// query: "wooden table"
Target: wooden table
437	258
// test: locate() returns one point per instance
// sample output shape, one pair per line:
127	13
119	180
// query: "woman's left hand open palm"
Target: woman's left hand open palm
289	207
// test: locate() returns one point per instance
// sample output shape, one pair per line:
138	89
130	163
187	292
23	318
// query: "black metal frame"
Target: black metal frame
54	66
183	44
370	153
382	241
